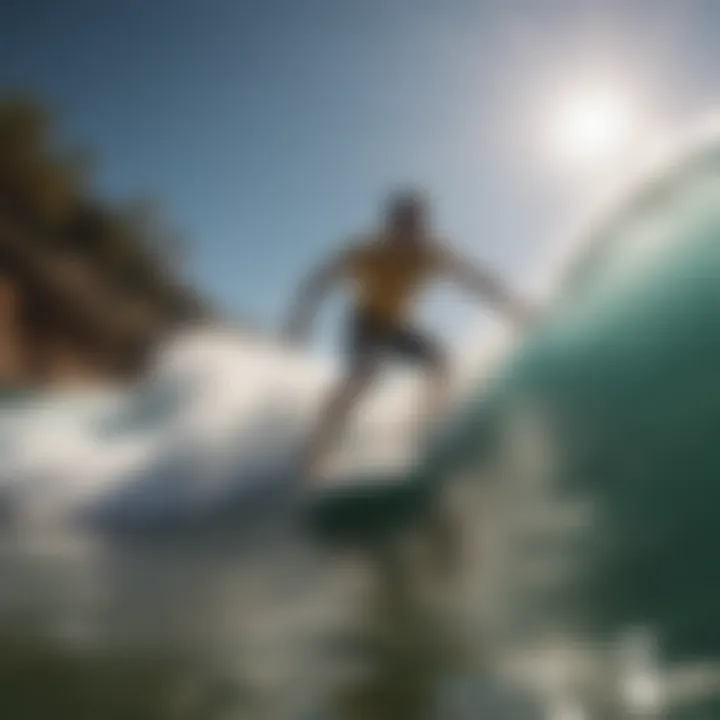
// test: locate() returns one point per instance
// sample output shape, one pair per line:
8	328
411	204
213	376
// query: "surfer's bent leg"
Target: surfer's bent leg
335	412
438	381
428	353
419	348
363	343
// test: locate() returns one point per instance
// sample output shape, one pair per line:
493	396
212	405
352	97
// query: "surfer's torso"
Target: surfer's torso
388	276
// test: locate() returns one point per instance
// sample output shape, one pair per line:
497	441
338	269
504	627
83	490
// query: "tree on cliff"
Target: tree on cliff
80	261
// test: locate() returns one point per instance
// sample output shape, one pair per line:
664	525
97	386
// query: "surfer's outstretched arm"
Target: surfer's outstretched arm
311	292
482	282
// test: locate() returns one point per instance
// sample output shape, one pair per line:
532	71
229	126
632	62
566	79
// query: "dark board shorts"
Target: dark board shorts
370	339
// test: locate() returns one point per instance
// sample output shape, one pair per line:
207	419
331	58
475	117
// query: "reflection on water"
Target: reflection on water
237	626
213	603
231	625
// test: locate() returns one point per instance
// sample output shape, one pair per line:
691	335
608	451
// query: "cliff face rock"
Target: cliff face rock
86	288
62	319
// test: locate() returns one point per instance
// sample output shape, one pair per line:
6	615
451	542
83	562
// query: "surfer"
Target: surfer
388	269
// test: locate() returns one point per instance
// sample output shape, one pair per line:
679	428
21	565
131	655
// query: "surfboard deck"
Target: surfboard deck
367	509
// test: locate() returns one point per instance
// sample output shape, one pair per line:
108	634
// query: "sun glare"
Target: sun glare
590	126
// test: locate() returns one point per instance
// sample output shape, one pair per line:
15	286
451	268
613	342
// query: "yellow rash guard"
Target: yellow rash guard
388	277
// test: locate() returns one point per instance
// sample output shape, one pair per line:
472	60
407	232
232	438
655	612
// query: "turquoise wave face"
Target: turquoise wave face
626	371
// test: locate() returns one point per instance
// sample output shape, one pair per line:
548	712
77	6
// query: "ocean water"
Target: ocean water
155	537
156	560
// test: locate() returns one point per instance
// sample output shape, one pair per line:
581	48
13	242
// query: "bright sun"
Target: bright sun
590	126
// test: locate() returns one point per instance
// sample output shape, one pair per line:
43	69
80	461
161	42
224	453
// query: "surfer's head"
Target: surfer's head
406	216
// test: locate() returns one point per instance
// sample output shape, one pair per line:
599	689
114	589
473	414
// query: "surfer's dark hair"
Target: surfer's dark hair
407	202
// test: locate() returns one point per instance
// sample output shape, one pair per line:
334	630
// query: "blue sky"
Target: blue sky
270	129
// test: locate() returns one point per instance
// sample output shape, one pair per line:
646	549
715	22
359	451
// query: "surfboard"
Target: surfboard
360	503
383	475
368	509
